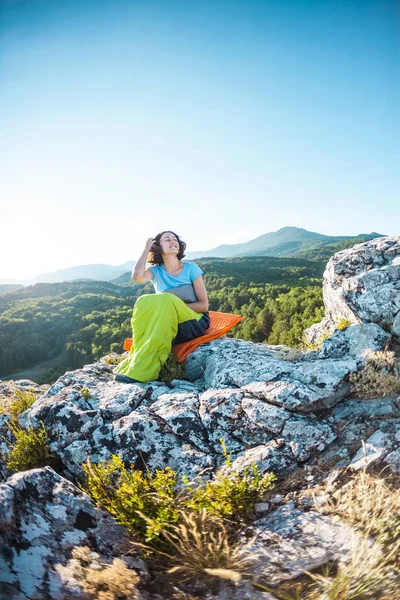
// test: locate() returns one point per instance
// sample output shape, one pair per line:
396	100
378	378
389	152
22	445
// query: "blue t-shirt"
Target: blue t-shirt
163	281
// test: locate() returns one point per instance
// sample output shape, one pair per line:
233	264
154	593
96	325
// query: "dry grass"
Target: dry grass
99	581
200	548
379	377
368	575
370	504
373	507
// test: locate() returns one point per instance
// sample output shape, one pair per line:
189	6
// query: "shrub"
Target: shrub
23	401
30	449
143	503
149	505
85	393
230	494
172	369
343	324
379	377
113	359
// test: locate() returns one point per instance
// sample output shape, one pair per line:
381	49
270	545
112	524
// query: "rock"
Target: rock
309	386
182	385
42	517
290	541
377	448
269	458
5	440
393	461
364	411
224	418
317	333
241	591
362	284
305	437
267	416
396	326
355	341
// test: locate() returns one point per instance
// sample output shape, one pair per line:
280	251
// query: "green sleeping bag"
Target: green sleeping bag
157	321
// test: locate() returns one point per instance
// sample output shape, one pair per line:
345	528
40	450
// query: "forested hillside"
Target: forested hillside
76	323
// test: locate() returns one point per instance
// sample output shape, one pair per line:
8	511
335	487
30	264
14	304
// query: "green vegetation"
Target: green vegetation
76	323
23	400
149	504
230	495
323	252
29	448
343	324
172	369
85	393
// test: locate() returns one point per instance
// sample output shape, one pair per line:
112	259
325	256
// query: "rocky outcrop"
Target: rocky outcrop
281	410
362	284
269	408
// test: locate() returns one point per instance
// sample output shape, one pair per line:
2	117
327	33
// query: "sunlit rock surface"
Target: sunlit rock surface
267	405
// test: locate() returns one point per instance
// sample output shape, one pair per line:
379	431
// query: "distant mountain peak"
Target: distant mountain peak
284	242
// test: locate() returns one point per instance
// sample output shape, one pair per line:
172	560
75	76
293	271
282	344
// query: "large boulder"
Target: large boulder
42	518
362	284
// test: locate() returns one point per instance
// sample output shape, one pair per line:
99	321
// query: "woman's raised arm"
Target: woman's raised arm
140	273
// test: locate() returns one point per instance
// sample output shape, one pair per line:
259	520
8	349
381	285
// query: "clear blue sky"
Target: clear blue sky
221	120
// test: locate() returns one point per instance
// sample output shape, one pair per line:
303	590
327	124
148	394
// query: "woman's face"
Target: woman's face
169	243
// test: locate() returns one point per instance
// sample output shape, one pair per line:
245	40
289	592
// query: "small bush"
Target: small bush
149	505
343	324
230	494
85	393
128	494
97	580
113	359
23	401
306	346
30	449
171	370
379	377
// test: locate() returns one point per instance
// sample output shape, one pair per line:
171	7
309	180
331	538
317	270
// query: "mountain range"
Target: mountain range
286	242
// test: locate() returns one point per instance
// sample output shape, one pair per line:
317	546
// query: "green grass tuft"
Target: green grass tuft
30	449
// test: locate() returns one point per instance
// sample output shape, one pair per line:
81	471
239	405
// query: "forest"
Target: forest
78	322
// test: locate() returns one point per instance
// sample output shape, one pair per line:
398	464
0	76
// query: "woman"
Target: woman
177	313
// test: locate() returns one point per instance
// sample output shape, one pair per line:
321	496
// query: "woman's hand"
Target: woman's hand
149	244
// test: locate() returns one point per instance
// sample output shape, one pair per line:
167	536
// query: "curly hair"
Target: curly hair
155	254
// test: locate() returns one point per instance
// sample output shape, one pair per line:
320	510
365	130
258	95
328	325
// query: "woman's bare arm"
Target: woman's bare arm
201	305
140	273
